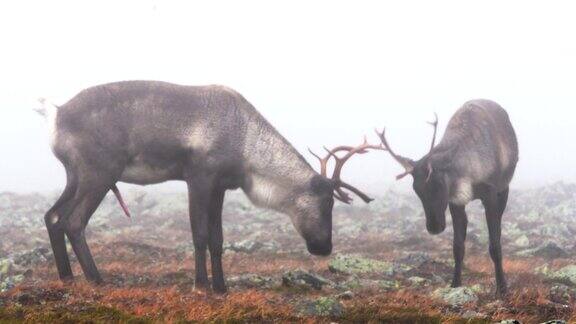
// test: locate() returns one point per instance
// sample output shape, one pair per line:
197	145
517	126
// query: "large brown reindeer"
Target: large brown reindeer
476	159
146	132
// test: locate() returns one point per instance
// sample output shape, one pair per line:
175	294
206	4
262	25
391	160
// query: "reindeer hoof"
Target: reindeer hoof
219	289
96	281
67	280
501	293
202	286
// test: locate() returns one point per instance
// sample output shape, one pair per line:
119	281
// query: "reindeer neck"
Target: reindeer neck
275	171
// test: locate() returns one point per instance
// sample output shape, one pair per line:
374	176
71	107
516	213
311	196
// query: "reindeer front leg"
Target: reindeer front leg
216	240
494	204
460	225
199	189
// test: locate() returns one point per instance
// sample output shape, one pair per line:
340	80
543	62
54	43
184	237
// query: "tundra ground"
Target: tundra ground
385	266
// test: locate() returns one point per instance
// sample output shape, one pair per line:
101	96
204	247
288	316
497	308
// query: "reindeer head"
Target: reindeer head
429	183
313	217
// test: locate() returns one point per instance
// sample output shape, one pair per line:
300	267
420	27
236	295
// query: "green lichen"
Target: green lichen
354	264
322	307
5	266
354	282
565	275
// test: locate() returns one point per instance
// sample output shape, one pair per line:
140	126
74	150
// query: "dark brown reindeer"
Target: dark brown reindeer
146	132
476	159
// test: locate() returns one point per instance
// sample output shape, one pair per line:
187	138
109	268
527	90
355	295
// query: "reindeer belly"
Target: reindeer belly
143	173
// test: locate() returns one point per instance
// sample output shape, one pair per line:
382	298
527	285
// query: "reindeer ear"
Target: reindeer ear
320	184
429	170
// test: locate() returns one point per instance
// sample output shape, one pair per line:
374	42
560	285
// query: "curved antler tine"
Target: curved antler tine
402	175
357	192
435	122
323	162
363	148
342	196
337	196
435	125
332	154
404	162
316	156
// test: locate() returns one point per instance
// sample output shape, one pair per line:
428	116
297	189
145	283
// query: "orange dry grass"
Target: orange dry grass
401	306
483	264
171	305
244	264
172	299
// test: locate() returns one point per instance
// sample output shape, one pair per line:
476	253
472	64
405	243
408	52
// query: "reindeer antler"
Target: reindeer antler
339	163
407	163
404	162
435	125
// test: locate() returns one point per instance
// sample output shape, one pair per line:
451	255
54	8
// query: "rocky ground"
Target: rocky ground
385	266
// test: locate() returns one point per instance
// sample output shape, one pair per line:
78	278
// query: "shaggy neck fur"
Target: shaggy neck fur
275	171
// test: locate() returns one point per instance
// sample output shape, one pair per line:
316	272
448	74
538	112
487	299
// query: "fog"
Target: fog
323	73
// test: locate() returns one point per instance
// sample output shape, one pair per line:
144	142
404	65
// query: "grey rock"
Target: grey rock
32	257
10	282
562	294
356	283
522	241
566	275
250	246
251	281
549	250
414	259
456	296
347	295
470	314
302	278
419	281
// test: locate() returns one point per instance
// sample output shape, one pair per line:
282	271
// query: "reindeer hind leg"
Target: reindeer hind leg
53	219
90	194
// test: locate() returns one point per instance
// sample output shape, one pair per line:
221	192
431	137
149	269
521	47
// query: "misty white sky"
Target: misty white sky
323	72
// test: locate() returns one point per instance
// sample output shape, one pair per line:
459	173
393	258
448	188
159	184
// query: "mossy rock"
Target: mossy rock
416	281
355	264
302	278
356	283
10	282
251	281
322	307
5	267
565	275
456	296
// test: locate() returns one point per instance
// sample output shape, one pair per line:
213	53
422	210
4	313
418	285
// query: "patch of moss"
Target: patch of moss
565	275
322	307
